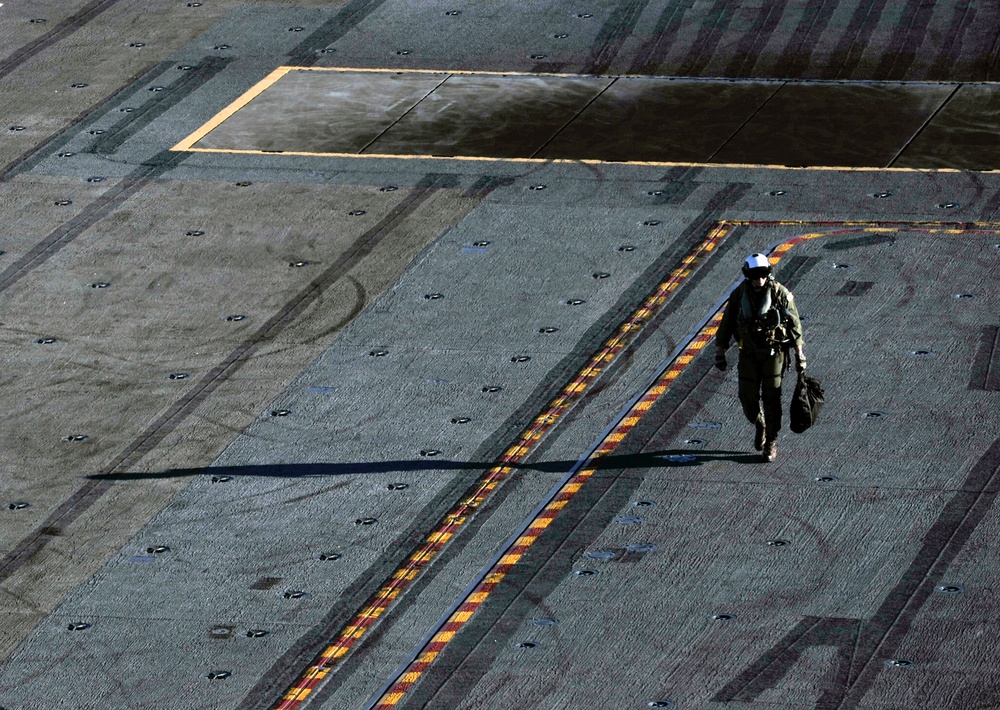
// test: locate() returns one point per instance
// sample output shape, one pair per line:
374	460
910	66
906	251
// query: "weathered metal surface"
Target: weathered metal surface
489	116
362	338
613	119
834	124
660	120
962	135
322	112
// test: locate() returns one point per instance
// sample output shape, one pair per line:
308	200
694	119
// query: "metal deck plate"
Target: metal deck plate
504	116
857	125
660	120
964	134
322	112
625	119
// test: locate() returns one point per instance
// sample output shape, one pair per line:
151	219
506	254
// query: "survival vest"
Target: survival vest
763	327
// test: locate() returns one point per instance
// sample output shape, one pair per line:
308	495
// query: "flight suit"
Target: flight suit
766	325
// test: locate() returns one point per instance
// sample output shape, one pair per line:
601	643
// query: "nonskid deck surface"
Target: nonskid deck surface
353	427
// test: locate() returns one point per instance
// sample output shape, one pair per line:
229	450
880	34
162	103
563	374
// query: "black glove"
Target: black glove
720	361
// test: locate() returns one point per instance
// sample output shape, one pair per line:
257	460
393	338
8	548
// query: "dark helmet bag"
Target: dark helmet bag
806	403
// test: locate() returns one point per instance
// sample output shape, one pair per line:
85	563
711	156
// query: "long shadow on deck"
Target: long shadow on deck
673	458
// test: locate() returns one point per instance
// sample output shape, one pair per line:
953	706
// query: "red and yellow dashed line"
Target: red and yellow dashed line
571	393
479	595
512	556
515	454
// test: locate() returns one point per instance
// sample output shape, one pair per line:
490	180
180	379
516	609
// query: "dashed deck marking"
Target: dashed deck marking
459	515
480	593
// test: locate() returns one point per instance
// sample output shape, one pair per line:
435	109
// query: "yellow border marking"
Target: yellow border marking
223	115
188	143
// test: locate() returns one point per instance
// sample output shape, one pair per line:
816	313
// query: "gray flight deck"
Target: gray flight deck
261	340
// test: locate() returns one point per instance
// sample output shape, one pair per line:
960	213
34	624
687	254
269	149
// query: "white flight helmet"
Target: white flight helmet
754	262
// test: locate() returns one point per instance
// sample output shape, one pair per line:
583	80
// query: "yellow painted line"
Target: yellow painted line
223	115
510	558
625	424
188	143
578	161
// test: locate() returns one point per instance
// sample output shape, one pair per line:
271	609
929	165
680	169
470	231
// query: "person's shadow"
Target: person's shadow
672	458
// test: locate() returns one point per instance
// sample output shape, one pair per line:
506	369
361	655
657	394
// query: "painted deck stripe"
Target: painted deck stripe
397	687
435	540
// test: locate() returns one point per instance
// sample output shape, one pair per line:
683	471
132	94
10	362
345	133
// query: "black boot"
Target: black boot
758	438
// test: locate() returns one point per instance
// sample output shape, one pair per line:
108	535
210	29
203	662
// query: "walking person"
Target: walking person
762	316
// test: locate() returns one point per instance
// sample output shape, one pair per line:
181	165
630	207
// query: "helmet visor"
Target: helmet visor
760	272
